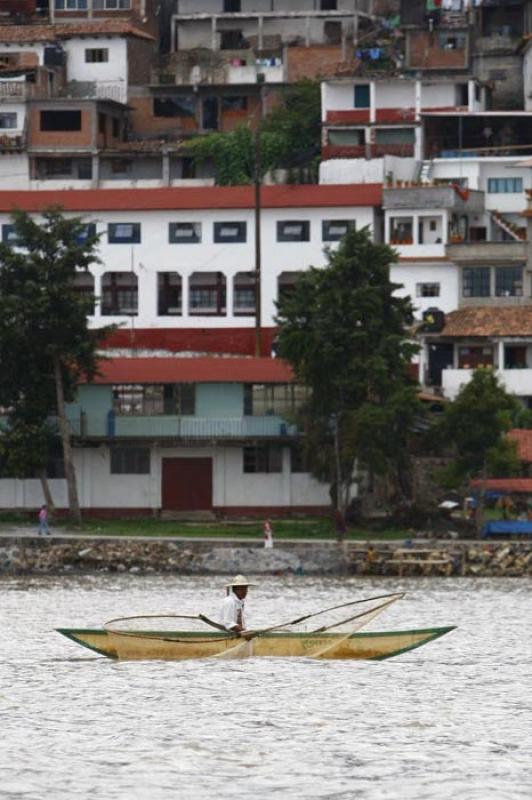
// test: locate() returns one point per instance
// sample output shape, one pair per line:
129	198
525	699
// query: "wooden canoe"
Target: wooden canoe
179	645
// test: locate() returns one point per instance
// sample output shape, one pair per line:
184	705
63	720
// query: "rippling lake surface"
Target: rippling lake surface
452	719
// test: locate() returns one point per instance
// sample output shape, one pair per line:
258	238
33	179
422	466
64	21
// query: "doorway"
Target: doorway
187	484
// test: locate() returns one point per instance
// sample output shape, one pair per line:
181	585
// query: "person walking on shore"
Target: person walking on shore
43	521
268	535
232	611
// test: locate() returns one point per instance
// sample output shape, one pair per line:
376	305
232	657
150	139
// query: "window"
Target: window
239	103
296	231
88	231
395	136
184	232
476	282
123	232
60	120
177	106
71	5
452	41
170	399
57	167
8	120
121	166
232	6
244	294
119	294
332	230
84	287
207	294
298	459
328	5
505	185
96	55
263	458
8	234
278	399
232	40
225	232
362	97
169	294
111	5
130	461
116	128
102	124
509	281
286	284
354	137
427	289
401	230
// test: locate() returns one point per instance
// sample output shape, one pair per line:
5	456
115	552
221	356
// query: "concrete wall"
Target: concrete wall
362	170
527	78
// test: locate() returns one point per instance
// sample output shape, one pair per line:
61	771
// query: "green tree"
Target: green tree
344	331
289	138
46	345
476	423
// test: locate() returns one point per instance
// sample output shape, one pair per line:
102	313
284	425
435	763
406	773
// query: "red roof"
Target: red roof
204	197
523	437
511	485
194	370
49	33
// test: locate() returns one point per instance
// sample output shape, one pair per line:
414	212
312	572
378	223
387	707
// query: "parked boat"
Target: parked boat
180	645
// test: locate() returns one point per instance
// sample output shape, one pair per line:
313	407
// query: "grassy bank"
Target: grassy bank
309	528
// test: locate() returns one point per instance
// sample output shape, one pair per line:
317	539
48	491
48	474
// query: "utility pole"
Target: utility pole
258	209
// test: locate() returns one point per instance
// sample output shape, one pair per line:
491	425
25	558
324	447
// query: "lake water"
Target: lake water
451	720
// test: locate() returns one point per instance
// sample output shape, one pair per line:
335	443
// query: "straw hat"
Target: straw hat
239	580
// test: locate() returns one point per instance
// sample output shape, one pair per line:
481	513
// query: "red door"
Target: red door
187	484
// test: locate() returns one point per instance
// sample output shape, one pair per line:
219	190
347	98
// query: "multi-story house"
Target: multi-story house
191	435
195	433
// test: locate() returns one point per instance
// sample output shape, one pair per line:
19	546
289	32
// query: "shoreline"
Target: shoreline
76	554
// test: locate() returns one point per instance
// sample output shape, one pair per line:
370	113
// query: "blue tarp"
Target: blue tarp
508	527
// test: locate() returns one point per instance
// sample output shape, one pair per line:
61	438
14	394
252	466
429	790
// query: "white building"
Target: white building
183	259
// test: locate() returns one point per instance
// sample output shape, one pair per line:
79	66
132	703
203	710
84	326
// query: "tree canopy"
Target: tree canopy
289	138
46	345
345	332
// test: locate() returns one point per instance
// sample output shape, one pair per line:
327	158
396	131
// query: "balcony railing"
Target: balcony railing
111	426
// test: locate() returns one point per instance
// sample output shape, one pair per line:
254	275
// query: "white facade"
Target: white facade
154	254
232	487
527	76
110	74
429	284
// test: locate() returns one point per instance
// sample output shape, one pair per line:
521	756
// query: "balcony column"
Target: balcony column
229	293
214	37
500	355
344	43
95	182
166	168
355	29
90	14
418	143
372	102
260	31
185	281
418	99
307	31
471	96
415	229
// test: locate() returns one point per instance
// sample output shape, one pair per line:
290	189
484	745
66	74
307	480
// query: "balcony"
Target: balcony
516	381
112	427
437	197
487	252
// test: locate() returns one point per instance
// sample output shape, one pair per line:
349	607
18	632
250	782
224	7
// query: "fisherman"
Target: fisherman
232	611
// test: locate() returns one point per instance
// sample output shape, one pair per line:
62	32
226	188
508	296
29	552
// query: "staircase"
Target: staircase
516	233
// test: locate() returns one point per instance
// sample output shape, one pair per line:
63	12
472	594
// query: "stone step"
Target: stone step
189	516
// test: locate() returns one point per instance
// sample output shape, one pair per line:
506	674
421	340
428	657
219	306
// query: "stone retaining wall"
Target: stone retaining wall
34	556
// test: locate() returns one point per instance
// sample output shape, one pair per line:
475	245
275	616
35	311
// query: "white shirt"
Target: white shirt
232	612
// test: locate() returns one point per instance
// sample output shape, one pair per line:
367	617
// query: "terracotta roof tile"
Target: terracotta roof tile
49	33
489	321
517	485
523	438
203	197
194	370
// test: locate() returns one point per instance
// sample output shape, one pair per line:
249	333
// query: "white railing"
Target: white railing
173	427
